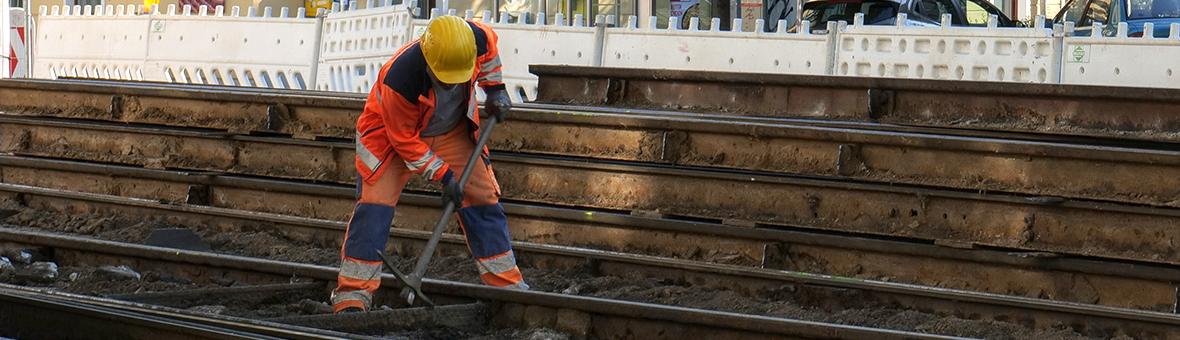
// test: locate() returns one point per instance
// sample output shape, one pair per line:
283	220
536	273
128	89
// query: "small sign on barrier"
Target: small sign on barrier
157	26
1078	54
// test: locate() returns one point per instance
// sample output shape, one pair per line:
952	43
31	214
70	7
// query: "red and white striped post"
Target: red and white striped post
17	46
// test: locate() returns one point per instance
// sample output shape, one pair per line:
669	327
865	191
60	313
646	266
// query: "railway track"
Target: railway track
597	317
1017	221
1102	169
38	314
832	294
1137	285
1066	218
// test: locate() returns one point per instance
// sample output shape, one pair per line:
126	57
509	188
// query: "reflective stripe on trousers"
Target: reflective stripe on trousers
353	298
356	283
501	271
357	270
496	264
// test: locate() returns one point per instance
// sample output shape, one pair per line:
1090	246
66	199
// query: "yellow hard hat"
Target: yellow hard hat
449	48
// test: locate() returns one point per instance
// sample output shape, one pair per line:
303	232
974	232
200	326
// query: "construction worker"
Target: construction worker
421	118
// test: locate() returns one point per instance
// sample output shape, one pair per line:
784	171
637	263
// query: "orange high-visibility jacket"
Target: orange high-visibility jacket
402	102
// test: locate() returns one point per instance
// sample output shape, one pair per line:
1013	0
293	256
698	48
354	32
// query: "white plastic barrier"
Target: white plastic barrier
216	49
345	50
692	49
356	43
80	42
207	48
1144	61
955	53
522	45
18	60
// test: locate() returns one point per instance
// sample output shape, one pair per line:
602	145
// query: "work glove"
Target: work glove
452	191
498	104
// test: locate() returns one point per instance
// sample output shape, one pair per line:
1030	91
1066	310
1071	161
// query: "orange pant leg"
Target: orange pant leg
365	238
481	216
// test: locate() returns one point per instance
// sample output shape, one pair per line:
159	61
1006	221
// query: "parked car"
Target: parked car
1084	13
918	12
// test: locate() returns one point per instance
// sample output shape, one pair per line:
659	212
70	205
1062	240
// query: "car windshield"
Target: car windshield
1152	9
822	12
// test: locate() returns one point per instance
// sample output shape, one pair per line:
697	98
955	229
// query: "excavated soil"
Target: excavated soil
502	334
580	281
85	280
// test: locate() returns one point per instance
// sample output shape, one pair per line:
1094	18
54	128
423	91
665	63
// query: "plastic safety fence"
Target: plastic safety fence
343	49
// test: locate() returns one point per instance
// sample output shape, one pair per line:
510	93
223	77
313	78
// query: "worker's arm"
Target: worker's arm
401	119
490	75
487	58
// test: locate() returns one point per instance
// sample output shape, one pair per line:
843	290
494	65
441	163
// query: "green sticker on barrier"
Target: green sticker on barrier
1078	54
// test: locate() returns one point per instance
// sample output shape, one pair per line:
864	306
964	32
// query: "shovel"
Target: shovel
413	281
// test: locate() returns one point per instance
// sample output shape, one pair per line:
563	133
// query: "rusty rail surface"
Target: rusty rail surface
1087	319
1016	221
1065	167
607	318
1143	113
31	314
1140	285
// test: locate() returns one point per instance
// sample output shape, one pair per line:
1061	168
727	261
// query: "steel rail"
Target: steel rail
606	313
533	110
1142	113
537	110
29	315
987	306
993	219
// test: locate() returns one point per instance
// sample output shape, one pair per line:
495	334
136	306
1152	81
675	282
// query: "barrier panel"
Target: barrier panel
523	44
207	48
217	49
93	42
693	49
344	50
356	43
1144	61
956	53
